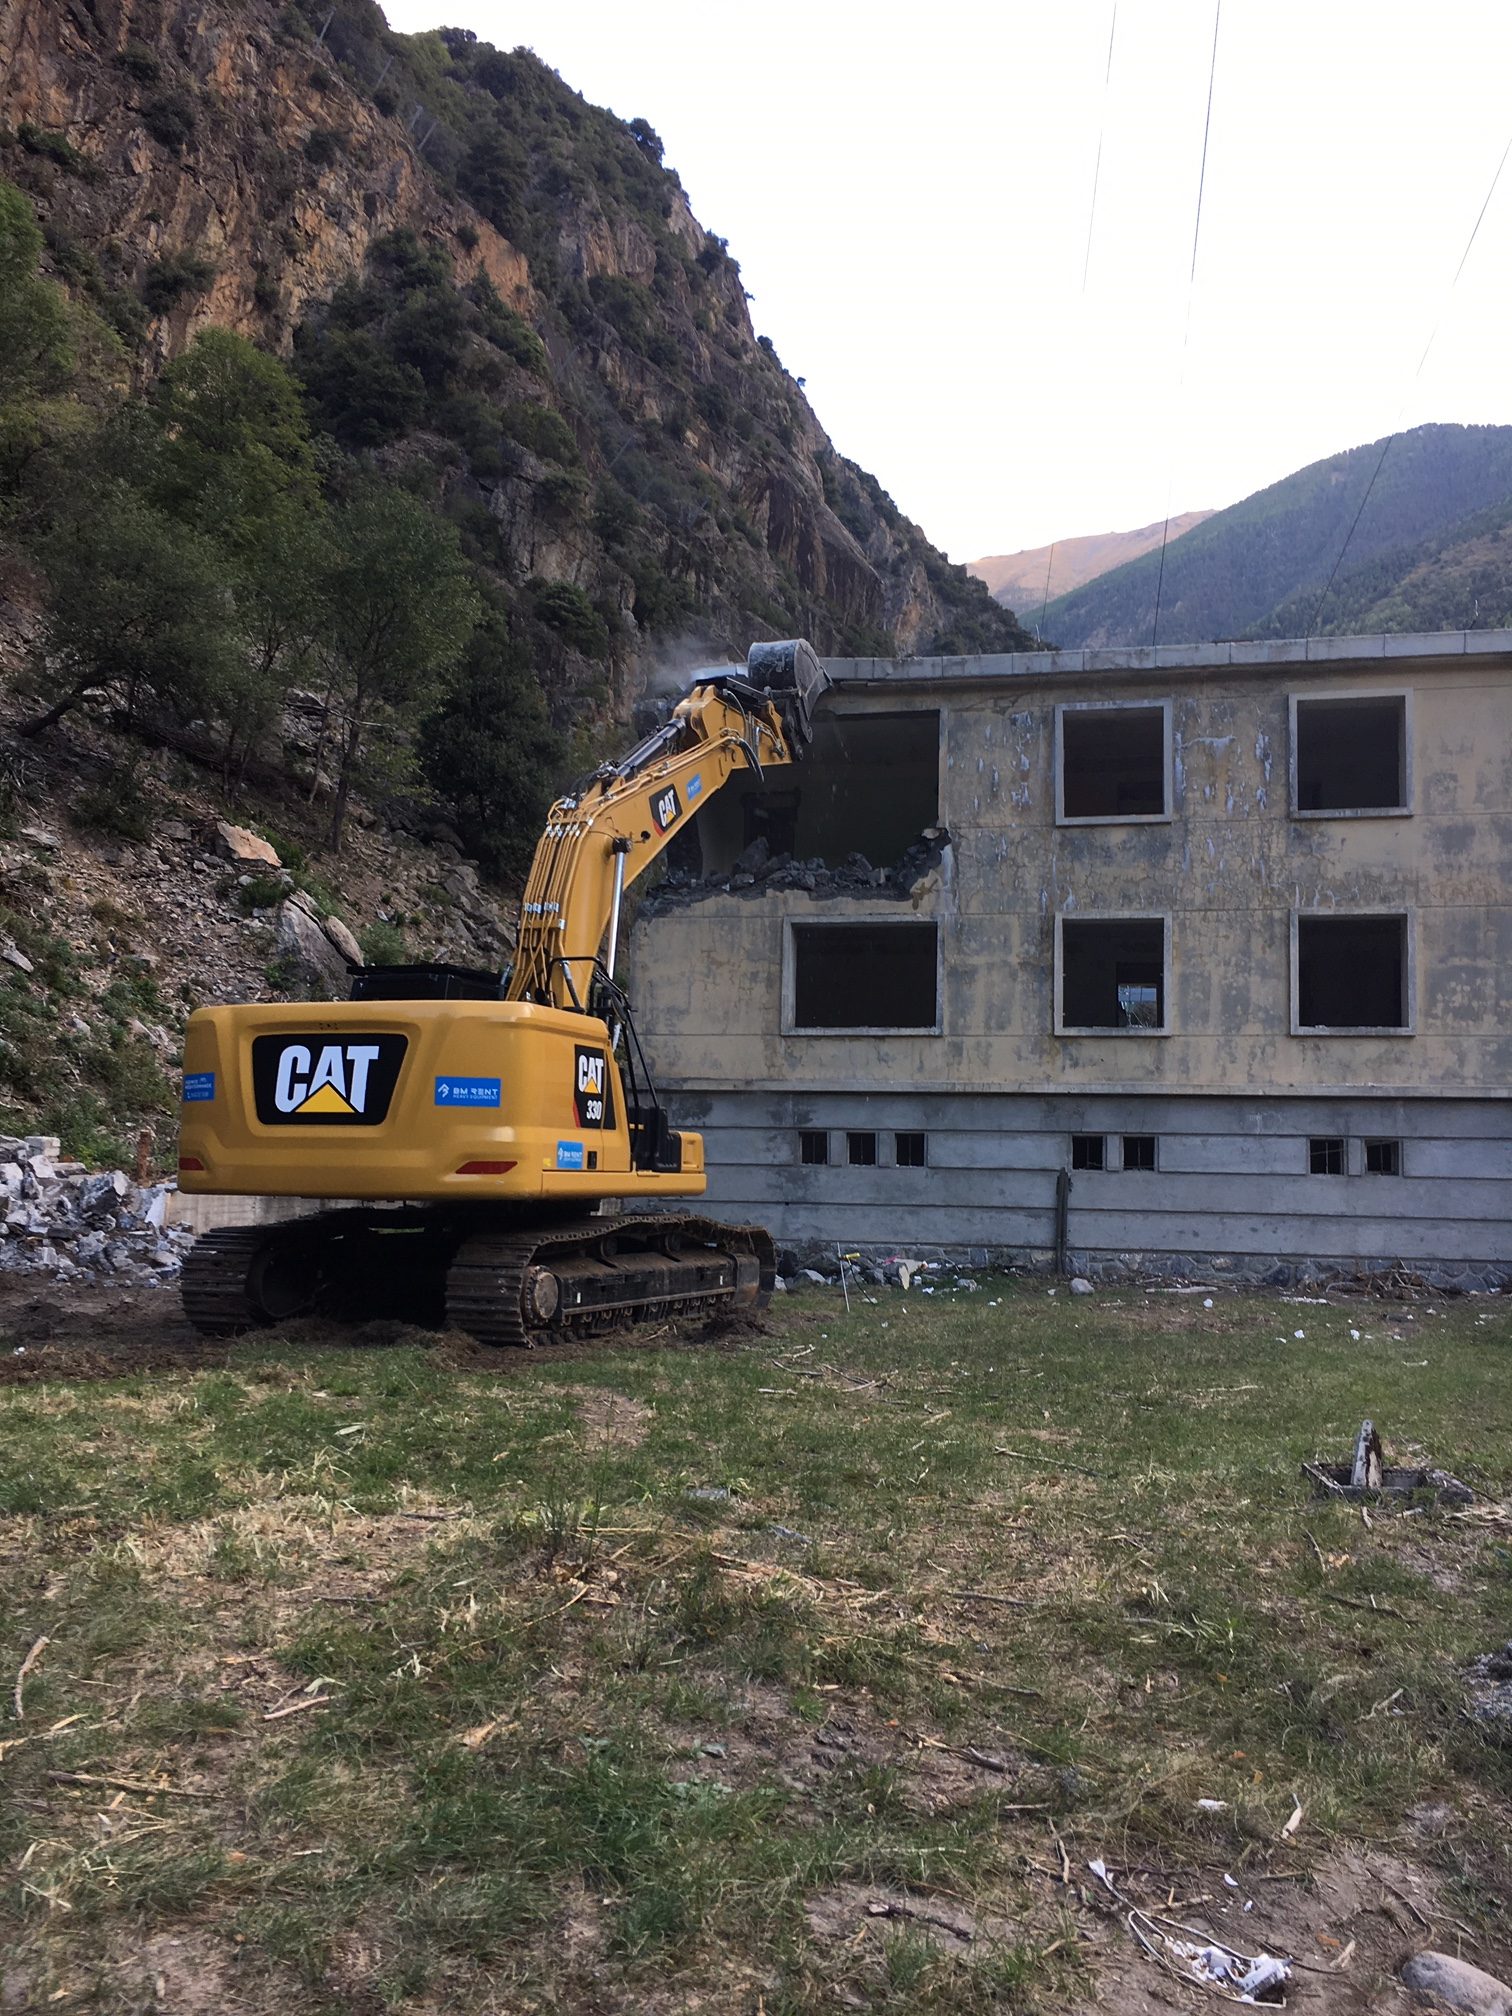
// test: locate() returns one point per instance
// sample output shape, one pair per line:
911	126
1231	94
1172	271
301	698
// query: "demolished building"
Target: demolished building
1150	961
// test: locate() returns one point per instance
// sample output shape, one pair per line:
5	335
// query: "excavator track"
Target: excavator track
522	1284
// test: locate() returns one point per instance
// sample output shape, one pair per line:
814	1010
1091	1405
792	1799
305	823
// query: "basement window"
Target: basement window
1350	754
1325	1155
1350	974
870	977
1088	1151
1139	1151
1111	975
1114	762
813	1147
909	1151
1383	1158
861	1150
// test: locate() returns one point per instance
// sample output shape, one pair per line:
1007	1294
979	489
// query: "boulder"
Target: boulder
299	938
17	958
1081	1286
343	940
1457	1985
238	844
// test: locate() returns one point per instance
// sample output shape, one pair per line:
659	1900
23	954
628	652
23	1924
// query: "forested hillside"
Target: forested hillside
1422	556
455	316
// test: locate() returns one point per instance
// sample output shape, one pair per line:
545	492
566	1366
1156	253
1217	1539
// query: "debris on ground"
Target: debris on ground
1196	1956
1368	1476
1490	1678
62	1221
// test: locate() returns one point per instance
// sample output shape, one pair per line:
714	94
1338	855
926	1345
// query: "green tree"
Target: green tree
236	457
139	602
489	750
397	609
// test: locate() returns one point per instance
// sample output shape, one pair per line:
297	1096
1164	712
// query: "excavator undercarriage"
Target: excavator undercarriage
533	1278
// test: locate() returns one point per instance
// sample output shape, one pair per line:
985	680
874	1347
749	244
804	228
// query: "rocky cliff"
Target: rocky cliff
244	165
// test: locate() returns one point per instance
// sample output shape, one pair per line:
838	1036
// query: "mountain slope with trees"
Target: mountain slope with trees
1417	558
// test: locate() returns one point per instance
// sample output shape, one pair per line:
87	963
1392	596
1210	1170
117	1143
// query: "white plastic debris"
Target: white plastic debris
1207	1301
1299	1333
1212	1805
1198	1958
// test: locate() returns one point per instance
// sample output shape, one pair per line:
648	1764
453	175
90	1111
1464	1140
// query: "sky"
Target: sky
910	194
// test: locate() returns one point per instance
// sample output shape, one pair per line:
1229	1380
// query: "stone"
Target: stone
1080	1285
343	940
14	956
40	837
809	1274
103	1191
174	829
11	1174
238	844
44	1144
1457	1984
299	938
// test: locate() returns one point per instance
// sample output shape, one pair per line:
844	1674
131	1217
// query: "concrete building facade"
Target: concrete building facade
1146	961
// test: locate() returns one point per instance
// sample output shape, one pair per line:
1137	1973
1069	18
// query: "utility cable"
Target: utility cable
1397	424
1207	125
1102	128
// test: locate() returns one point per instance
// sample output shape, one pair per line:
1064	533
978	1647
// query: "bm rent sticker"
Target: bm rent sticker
467	1091
570	1155
666	809
198	1085
695	788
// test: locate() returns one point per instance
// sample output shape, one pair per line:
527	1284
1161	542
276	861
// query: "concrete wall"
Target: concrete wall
1230	869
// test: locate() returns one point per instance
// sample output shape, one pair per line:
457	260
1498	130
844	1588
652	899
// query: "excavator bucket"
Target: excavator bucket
791	674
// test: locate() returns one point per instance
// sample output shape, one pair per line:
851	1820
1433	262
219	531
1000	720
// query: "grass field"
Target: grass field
790	1670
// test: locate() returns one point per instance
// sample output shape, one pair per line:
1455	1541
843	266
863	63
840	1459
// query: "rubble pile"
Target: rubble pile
60	1220
760	869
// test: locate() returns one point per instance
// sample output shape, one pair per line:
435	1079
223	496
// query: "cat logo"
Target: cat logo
592	1101
302	1079
666	809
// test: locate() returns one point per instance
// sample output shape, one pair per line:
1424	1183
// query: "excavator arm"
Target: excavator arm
602	837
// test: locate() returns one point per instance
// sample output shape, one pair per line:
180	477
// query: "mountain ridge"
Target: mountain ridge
1018	580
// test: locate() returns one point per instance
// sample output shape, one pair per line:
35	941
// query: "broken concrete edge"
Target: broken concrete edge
758	872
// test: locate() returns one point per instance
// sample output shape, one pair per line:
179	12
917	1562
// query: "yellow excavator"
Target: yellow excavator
505	1129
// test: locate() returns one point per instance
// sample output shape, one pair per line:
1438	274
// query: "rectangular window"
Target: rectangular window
865	976
1383	1158
910	1151
1349	754
1325	1155
1112	974
813	1147
861	1150
1139	1151
1114	762
1351	973
1088	1151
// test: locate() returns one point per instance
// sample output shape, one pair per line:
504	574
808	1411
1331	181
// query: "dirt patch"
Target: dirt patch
610	1420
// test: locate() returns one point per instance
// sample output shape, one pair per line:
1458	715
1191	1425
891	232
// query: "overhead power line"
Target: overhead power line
1397	426
1186	339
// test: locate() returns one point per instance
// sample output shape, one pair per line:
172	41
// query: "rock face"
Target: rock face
248	850
250	140
61	1222
1455	1984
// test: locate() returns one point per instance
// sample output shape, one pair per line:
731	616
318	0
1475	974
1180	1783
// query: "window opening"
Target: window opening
1088	1151
909	1150
1112	973
1351	754
861	1150
869	785
1352	972
813	1147
1139	1151
865	976
1383	1158
1113	762
1325	1155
